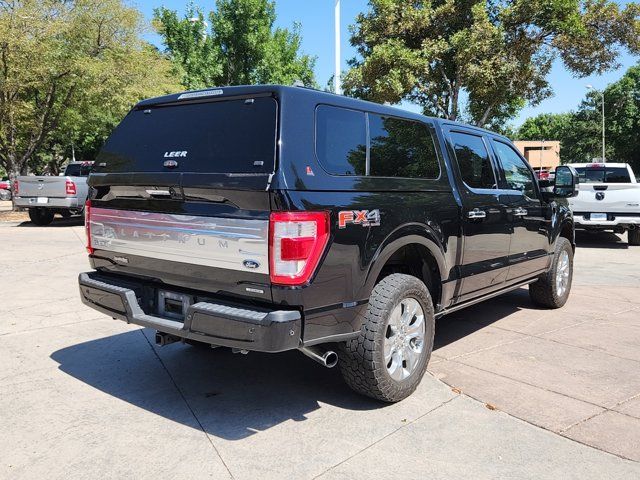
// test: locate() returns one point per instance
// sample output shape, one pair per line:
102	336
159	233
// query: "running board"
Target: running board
468	303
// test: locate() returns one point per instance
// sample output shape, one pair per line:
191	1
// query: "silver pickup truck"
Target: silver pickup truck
45	196
608	199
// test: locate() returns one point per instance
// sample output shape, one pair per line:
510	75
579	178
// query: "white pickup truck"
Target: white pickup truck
45	196
608	199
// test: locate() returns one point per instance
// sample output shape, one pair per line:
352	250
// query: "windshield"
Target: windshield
603	175
231	136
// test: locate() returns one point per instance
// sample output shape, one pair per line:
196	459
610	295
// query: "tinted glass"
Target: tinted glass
341	140
233	136
473	160
401	148
78	169
516	172
603	175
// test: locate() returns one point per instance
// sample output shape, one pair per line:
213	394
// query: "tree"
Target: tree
68	68
238	45
482	61
546	126
580	132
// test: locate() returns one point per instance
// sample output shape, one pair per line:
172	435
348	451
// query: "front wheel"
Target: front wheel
389	357
41	216
634	236
552	289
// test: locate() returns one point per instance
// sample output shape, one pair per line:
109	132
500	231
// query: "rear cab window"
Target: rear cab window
228	136
603	174
358	143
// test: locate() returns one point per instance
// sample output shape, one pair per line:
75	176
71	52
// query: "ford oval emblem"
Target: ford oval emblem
252	264
170	163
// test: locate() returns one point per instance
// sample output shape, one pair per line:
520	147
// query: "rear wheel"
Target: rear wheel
552	289
41	216
634	237
389	358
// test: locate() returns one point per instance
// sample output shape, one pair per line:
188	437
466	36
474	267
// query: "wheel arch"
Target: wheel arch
409	243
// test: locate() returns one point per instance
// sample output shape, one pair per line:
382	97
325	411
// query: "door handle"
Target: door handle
520	212
476	213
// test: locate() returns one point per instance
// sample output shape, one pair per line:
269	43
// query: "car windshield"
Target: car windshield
603	175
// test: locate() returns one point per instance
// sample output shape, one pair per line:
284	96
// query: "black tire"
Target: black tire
546	292
65	213
362	360
41	216
634	237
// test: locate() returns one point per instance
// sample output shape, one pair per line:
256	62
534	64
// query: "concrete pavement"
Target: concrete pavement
84	396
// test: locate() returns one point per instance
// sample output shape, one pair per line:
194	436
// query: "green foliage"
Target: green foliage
482	61
580	132
241	47
69	71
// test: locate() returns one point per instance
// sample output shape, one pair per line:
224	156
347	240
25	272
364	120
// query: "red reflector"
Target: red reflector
87	225
70	187
296	248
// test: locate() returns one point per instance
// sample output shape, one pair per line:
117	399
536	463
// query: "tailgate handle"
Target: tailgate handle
159	193
600	187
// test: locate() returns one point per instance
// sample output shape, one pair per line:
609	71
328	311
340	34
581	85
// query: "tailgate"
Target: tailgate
51	187
607	198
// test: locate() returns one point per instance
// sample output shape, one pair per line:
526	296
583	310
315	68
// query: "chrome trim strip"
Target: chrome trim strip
209	241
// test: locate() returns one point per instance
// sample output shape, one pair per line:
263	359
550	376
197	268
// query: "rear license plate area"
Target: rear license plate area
598	216
173	305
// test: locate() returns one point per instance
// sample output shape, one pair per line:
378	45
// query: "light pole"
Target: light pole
336	76
590	87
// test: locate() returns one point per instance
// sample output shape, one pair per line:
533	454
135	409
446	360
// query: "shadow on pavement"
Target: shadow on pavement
599	240
457	325
232	395
57	222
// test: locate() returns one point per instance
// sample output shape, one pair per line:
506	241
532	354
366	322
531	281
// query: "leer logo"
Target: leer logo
366	218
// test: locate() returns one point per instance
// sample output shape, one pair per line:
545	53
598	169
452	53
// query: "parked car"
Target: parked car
270	218
45	196
5	189
608	199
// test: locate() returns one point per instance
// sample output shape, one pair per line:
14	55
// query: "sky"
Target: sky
316	20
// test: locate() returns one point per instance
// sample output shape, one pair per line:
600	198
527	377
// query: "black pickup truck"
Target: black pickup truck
271	218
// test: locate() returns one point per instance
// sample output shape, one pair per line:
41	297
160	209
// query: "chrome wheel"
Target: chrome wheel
404	339
562	273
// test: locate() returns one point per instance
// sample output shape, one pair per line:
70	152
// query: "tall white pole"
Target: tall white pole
604	159
336	77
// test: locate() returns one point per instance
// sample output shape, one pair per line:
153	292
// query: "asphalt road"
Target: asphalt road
515	392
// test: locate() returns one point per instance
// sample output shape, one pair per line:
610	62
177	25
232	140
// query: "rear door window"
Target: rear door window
230	136
473	160
401	148
341	140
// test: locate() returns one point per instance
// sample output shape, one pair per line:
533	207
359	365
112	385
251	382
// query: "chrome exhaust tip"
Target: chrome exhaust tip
326	358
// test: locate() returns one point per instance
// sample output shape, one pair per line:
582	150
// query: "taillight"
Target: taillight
87	225
16	188
70	187
296	242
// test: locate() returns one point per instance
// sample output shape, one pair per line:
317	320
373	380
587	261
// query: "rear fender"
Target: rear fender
405	235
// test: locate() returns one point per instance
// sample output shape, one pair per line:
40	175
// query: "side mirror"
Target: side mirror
566	182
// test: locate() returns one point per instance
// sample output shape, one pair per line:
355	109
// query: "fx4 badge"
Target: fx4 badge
366	218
